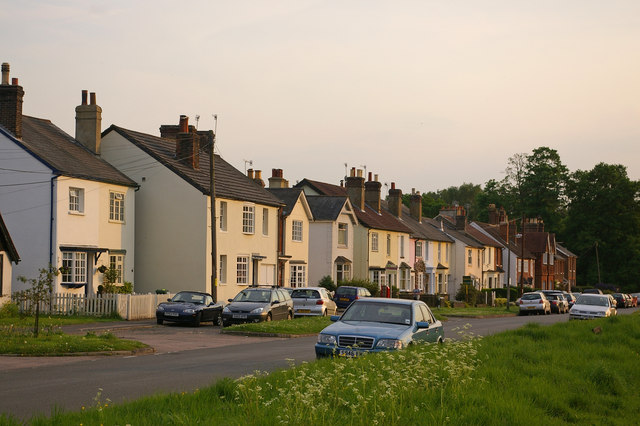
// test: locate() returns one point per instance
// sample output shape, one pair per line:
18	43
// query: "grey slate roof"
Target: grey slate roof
64	155
423	230
326	207
289	196
230	182
453	233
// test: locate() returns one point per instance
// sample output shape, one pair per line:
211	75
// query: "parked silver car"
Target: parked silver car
534	302
590	306
312	301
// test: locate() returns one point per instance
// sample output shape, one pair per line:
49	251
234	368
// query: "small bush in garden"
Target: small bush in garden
9	310
500	301
327	283
467	293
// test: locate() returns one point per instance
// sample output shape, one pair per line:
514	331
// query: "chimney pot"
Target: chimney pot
370	176
393	185
184	124
14	81
360	173
84	97
5	74
353	172
375	177
92	98
250	173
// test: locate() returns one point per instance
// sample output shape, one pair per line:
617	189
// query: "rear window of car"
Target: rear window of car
530	296
305	294
342	291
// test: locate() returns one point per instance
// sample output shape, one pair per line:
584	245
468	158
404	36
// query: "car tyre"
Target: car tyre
196	321
159	321
289	316
268	319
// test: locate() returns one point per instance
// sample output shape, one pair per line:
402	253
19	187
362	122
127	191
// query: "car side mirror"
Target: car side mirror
423	324
275	302
169	300
335	318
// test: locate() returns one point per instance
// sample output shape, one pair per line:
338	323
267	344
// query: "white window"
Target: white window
478	256
388	244
296	230
439	251
343	272
248	219
446	252
265	221
418	248
116	261
298	276
469	258
74	267
242	273
405	275
551	259
116	206
76	200
426	250
378	277
374	241
223	215
342	234
401	245
222	275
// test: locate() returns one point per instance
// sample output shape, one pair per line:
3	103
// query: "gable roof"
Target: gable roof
450	230
290	196
6	244
326	207
368	217
513	246
230	182
564	251
422	230
64	155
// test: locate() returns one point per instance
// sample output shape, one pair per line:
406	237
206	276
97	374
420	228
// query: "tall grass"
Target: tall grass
558	374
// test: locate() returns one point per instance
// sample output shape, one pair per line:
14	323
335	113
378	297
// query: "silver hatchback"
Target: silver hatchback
534	302
312	301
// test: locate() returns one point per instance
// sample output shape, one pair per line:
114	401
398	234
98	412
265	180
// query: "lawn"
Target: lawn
476	312
564	373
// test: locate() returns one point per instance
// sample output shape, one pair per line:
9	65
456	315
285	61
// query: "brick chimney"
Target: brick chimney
493	214
355	188
533	224
277	180
11	103
187	144
395	201
461	218
372	193
89	123
258	178
415	205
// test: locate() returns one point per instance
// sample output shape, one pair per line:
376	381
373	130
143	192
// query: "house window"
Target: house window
405	276
551	259
298	276
116	206
265	221
222	275
401	245
439	251
446	252
343	272
388	244
418	248
478	256
76	200
374	241
378	277
296	230
223	215
342	234
248	219
116	261
469	258
242	272
426	250
74	267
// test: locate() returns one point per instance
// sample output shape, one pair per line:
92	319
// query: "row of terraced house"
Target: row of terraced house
141	204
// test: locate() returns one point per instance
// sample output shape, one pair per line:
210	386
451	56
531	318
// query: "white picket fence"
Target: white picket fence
128	306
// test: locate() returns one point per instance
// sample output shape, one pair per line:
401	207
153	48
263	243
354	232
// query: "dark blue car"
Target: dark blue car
347	294
191	307
378	324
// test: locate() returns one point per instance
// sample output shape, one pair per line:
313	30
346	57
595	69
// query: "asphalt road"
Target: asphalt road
185	359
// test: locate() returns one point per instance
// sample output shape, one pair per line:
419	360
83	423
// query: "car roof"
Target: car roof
309	288
388	300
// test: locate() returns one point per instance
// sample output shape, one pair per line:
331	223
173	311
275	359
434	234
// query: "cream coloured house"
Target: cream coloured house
173	232
8	256
65	205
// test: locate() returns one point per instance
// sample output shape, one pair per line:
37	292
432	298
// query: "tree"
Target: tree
40	292
604	208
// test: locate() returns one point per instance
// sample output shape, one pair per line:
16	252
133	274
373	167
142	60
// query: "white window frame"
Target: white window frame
76	200
116	206
222	274
439	251
242	270
388	244
248	219
74	266
296	231
418	248
343	237
401	246
116	261
343	272
224	213
374	241
469	257
297	276
265	221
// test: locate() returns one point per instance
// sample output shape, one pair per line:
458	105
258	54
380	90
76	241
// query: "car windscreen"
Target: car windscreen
593	301
188	298
260	296
343	291
305	294
391	313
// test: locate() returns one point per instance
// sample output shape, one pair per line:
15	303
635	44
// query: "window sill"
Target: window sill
76	213
119	222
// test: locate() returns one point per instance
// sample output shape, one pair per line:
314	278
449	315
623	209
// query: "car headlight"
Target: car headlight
389	344
160	308
257	311
226	310
189	311
326	339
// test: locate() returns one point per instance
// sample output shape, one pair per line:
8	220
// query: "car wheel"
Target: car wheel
289	315
196	321
219	321
225	324
268	317
159	321
324	313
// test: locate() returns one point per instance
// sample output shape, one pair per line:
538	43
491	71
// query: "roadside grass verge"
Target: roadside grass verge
476	312
304	325
556	374
14	342
53	320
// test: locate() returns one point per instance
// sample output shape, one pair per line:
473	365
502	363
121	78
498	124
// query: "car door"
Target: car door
207	311
280	308
435	331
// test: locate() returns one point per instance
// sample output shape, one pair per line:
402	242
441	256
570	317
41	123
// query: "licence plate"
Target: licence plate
171	314
239	316
349	353
304	311
531	307
344	299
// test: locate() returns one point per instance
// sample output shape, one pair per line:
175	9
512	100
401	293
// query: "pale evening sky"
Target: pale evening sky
427	94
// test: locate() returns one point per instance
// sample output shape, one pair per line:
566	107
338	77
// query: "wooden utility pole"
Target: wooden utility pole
212	190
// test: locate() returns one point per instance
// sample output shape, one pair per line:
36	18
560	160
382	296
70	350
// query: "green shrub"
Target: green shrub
9	310
127	288
327	283
468	294
501	301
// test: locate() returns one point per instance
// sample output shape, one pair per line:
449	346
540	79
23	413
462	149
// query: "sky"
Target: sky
426	94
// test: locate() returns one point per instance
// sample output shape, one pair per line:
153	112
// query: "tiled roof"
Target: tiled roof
494	231
230	183
422	230
289	196
536	242
565	251
368	217
326	207
66	156
483	238
460	235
